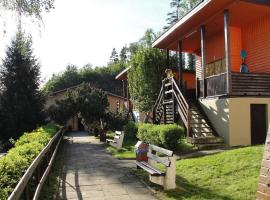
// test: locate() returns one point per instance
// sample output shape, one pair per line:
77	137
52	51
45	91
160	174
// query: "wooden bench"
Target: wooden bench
117	141
165	179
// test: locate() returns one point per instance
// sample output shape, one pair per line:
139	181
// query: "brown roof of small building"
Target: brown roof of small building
76	86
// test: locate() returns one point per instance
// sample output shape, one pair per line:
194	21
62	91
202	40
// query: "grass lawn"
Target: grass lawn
127	152
228	175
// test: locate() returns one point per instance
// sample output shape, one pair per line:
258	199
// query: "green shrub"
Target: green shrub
130	130
166	136
19	158
116	121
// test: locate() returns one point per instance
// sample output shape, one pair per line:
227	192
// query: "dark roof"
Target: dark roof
76	86
123	74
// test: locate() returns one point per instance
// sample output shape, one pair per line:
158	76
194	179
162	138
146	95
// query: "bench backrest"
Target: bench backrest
117	135
153	149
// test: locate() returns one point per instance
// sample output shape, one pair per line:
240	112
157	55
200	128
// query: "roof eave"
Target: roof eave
158	41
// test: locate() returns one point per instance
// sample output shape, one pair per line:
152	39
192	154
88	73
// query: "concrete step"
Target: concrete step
206	140
211	146
201	130
199	120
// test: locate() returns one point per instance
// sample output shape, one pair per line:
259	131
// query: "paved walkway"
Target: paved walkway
91	173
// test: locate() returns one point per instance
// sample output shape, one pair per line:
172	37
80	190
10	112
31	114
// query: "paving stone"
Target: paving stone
91	173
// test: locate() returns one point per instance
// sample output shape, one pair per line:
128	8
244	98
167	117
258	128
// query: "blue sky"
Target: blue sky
85	31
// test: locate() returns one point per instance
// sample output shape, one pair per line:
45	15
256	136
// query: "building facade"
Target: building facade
231	42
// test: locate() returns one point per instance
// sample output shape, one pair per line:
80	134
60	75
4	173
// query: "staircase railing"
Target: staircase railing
158	105
182	105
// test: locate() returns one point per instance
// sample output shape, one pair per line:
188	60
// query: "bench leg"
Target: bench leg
169	180
157	179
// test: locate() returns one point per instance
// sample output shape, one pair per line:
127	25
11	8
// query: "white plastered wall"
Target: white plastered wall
231	117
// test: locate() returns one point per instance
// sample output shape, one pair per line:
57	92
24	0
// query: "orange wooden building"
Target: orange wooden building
230	106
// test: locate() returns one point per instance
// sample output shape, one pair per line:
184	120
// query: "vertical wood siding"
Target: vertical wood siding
256	41
236	47
215	47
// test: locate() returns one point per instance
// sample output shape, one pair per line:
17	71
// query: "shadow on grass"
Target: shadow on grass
184	191
187	190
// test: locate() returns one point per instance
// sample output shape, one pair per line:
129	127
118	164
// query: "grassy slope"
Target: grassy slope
229	175
127	152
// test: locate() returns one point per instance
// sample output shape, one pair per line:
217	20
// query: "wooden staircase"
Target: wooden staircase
173	106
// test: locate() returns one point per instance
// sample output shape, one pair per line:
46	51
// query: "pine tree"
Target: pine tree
179	9
21	101
114	58
123	54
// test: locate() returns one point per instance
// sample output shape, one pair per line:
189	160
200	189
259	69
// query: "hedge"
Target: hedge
19	158
166	136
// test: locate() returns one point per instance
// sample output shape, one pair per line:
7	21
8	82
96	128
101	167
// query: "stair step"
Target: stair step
210	146
168	84
201	130
200	126
196	117
167	102
199	120
206	140
168	92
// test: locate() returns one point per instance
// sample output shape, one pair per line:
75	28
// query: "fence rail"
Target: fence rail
41	165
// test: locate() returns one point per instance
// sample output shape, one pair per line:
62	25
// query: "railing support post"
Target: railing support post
203	59
180	63
227	49
188	123
164	106
167	58
173	99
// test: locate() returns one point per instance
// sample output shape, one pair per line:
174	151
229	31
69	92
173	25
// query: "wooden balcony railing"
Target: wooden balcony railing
216	85
250	84
213	86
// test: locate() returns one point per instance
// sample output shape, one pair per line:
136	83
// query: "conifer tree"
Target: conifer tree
21	101
114	58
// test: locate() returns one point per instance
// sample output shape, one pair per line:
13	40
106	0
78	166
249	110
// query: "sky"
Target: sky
85	31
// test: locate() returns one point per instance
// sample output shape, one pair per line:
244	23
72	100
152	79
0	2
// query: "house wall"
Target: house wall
236	47
51	99
215	47
73	122
240	124
231	117
217	111
113	101
256	41
190	79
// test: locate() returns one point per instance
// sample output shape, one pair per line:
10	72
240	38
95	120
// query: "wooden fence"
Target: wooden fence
38	171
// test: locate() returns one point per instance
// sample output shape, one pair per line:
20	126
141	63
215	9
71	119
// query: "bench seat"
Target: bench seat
151	170
109	141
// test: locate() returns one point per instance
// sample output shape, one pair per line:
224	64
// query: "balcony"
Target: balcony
250	84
